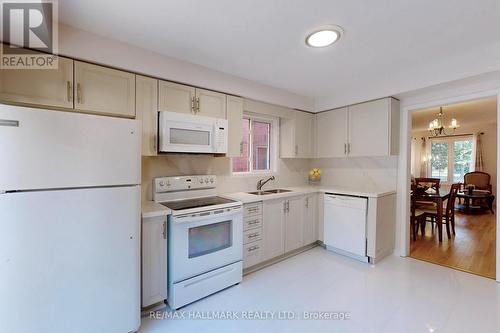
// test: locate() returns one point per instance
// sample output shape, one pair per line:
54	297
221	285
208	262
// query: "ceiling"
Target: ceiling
480	111
389	46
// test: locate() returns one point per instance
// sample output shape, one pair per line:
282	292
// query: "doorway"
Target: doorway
455	144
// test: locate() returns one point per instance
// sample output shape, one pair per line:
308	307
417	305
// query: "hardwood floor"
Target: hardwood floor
473	249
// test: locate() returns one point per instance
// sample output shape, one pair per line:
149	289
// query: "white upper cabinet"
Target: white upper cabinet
296	135
331	133
374	128
210	103
147	110
174	97
44	87
366	129
104	90
234	115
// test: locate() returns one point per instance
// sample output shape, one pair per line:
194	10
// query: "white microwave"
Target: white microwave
186	133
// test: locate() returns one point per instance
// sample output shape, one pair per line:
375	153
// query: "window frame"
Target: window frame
273	146
450	140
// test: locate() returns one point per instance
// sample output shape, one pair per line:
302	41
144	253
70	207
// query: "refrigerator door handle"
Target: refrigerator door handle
8	122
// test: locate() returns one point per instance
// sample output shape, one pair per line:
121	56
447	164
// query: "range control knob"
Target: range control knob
201	180
162	183
206	180
211	180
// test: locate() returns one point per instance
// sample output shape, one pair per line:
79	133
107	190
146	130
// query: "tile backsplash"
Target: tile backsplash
371	172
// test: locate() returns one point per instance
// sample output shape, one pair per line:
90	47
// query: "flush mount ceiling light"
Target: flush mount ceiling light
324	36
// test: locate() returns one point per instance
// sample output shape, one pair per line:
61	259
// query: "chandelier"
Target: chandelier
437	128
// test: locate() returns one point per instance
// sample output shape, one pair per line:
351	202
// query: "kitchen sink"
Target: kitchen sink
278	190
260	192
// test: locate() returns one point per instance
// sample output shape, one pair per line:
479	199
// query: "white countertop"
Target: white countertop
369	193
153	209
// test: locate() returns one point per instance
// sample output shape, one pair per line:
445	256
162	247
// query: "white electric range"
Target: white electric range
205	238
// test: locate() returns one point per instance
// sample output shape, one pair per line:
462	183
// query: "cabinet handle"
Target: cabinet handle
78	93
197	104
68	90
345	148
255	234
253	248
241	148
164	232
307	202
253	222
284	206
193	108
349	148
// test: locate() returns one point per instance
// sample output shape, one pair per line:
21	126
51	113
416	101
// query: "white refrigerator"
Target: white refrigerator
69	222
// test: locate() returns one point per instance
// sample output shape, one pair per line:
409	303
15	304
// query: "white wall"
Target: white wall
83	45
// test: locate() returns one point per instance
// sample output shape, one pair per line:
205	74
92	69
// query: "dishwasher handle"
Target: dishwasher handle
345	201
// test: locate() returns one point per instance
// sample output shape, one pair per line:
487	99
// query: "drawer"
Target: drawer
252	222
252	209
252	254
252	235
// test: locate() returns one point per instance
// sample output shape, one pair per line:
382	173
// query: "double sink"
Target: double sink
266	192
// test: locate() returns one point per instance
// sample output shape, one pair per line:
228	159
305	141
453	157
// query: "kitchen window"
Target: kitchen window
451	158
258	146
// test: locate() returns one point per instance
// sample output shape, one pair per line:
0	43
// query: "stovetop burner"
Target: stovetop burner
196	203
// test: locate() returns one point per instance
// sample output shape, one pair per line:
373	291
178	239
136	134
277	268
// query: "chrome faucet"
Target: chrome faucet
263	182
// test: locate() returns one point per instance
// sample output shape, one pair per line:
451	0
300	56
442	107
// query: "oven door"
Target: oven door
203	242
186	133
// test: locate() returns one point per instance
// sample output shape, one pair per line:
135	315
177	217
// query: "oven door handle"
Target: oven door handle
215	216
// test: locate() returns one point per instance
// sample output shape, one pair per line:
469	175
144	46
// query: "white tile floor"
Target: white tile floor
397	295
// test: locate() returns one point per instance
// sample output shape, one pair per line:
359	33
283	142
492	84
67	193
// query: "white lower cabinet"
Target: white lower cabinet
310	225
277	226
273	228
154	260
252	234
294	223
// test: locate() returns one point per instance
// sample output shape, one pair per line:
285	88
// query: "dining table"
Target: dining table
429	196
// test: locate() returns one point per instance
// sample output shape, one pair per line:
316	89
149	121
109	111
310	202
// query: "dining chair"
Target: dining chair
430	182
448	212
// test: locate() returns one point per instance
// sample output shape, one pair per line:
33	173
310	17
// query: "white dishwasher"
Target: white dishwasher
345	225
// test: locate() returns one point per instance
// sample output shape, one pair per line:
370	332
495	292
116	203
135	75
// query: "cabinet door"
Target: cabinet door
175	97
294	229
234	115
369	128
43	87
210	103
273	237
104	90
303	134
146	107
310	218
154	260
331	131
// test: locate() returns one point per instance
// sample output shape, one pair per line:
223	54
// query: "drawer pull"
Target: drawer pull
253	222
253	248
253	235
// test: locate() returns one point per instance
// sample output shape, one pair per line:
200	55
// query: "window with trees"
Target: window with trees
451	158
